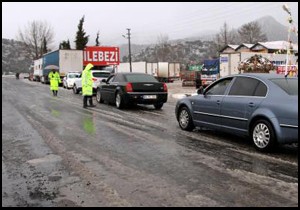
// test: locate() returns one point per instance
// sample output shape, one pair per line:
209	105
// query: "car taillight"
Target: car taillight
94	79
165	87
128	87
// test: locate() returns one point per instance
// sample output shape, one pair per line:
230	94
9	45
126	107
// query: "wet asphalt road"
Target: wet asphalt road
55	153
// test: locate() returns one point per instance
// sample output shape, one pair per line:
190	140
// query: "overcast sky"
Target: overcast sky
147	20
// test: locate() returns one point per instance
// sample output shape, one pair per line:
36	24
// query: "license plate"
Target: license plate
149	96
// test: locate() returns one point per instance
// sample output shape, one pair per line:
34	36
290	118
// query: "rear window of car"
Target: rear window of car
73	75
140	78
289	85
101	74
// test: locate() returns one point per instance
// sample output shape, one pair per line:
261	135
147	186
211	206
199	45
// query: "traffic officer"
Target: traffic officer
54	81
87	85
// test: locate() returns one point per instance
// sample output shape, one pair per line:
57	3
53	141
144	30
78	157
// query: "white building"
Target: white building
232	55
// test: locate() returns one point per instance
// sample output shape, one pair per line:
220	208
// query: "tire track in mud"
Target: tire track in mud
99	188
215	165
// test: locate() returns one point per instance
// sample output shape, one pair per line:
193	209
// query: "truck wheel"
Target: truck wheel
263	136
185	119
158	105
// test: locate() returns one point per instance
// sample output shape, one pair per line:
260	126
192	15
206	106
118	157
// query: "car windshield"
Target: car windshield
73	75
140	78
101	74
289	85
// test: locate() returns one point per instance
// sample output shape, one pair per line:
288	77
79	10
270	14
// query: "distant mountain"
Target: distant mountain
135	48
274	30
195	48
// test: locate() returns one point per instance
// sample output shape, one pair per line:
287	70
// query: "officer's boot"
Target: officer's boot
91	102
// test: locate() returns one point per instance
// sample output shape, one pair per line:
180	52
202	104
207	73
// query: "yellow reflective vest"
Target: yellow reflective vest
54	80
87	82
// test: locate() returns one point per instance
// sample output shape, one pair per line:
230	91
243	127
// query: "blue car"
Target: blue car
261	106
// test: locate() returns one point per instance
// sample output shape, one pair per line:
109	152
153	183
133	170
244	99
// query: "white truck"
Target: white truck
163	71
37	69
140	67
168	72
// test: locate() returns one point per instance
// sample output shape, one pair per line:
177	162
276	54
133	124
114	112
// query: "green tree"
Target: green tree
44	49
97	39
81	39
65	45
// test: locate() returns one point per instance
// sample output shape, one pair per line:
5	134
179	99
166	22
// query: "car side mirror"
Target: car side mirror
103	80
200	91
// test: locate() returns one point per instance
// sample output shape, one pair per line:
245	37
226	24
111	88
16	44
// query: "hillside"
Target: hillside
193	49
14	57
274	30
196	48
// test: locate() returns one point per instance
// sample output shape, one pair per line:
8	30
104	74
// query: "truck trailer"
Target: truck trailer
162	71
65	60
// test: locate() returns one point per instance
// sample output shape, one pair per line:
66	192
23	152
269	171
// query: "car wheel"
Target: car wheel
185	119
263	135
158	105
75	90
119	101
99	97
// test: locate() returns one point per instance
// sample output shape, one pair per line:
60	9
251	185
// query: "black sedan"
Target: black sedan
126	89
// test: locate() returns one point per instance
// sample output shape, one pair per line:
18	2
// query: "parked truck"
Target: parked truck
189	78
168	72
65	60
37	69
201	75
163	71
210	72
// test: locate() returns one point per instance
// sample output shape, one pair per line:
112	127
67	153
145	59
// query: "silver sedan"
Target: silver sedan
261	106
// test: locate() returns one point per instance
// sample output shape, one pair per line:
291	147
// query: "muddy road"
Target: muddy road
55	153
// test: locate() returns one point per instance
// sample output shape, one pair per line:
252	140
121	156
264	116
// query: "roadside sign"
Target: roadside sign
195	67
101	56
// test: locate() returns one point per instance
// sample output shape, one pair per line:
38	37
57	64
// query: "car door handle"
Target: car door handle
218	102
251	104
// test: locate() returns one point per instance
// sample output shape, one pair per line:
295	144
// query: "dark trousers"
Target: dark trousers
85	99
54	92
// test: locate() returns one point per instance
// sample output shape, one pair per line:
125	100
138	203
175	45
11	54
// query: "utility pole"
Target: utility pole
289	45
129	47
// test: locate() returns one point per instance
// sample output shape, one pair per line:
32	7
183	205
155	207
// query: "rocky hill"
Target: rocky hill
196	48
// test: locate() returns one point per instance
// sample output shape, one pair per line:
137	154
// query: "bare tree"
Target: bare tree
162	48
225	37
34	36
251	33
